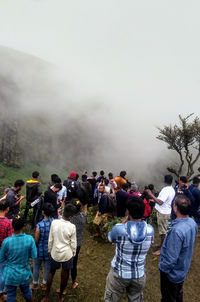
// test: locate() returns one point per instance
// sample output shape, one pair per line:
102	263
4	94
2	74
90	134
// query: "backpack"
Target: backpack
72	188
111	203
83	195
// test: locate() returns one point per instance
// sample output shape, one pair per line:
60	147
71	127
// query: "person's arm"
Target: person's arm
50	240
37	235
3	252
170	251
154	198
73	241
112	235
33	250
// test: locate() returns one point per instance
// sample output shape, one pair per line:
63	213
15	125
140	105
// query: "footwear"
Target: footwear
156	253
74	285
34	286
58	291
43	286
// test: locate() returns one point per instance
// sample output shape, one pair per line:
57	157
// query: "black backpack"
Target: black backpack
111	203
72	188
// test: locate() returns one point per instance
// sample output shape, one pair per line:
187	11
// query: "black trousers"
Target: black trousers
75	261
171	292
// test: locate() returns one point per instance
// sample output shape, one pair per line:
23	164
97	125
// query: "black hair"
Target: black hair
57	180
183	204
183	179
4	204
136	207
84	177
110	175
196	180
125	186
58	186
94	173
18	183
77	176
35	174
122	174
18	222
102	173
54	177
76	202
69	210
168	179
48	209
151	187
106	181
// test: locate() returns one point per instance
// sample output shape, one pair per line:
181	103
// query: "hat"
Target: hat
134	187
72	174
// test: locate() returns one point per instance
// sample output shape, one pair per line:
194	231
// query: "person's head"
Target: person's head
53	178
102	173
106	181
73	175
47	209
125	187
135	207
94	173
101	188
168	180
4	206
18	223
182	205
69	211
123	174
196	181
18	184
84	177
77	204
57	187
134	187
151	187
35	175
110	175
182	181
57	180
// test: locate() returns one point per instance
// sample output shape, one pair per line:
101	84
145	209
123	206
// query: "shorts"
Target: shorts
102	219
67	265
162	220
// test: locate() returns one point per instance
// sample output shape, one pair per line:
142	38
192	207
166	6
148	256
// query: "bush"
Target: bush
153	218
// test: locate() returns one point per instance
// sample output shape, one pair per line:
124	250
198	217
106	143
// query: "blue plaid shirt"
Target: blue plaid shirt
42	246
133	240
16	251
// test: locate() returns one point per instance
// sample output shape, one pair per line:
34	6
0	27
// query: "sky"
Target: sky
140	57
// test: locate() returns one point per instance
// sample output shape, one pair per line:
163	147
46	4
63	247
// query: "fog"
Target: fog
117	69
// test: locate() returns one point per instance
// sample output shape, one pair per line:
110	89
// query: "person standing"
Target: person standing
33	192
6	230
16	251
133	239
14	198
176	252
196	195
51	196
120	180
163	207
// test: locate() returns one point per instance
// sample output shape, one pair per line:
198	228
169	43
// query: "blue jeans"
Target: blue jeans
12	292
36	270
2	284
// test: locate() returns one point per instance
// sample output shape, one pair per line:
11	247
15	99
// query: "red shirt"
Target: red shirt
6	229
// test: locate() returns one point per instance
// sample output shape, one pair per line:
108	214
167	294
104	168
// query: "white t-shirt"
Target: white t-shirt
166	195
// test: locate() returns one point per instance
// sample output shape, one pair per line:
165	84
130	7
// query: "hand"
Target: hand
99	214
126	219
151	200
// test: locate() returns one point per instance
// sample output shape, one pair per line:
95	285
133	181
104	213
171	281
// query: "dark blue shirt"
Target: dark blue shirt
177	249
42	246
103	203
196	195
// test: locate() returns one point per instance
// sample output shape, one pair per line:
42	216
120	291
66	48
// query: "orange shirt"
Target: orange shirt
120	181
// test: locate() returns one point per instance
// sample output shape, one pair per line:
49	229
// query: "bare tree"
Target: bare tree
185	140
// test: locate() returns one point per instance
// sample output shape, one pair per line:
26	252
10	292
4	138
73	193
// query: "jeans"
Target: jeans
171	292
115	287
36	270
75	261
12	292
2	284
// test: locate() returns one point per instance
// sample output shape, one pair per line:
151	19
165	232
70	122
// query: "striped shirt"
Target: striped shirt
133	240
16	251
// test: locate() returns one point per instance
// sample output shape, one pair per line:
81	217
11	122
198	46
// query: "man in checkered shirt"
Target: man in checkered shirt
133	239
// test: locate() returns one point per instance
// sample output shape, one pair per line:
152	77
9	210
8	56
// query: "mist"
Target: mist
99	77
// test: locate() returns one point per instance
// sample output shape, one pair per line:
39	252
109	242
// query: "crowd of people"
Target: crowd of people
58	220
